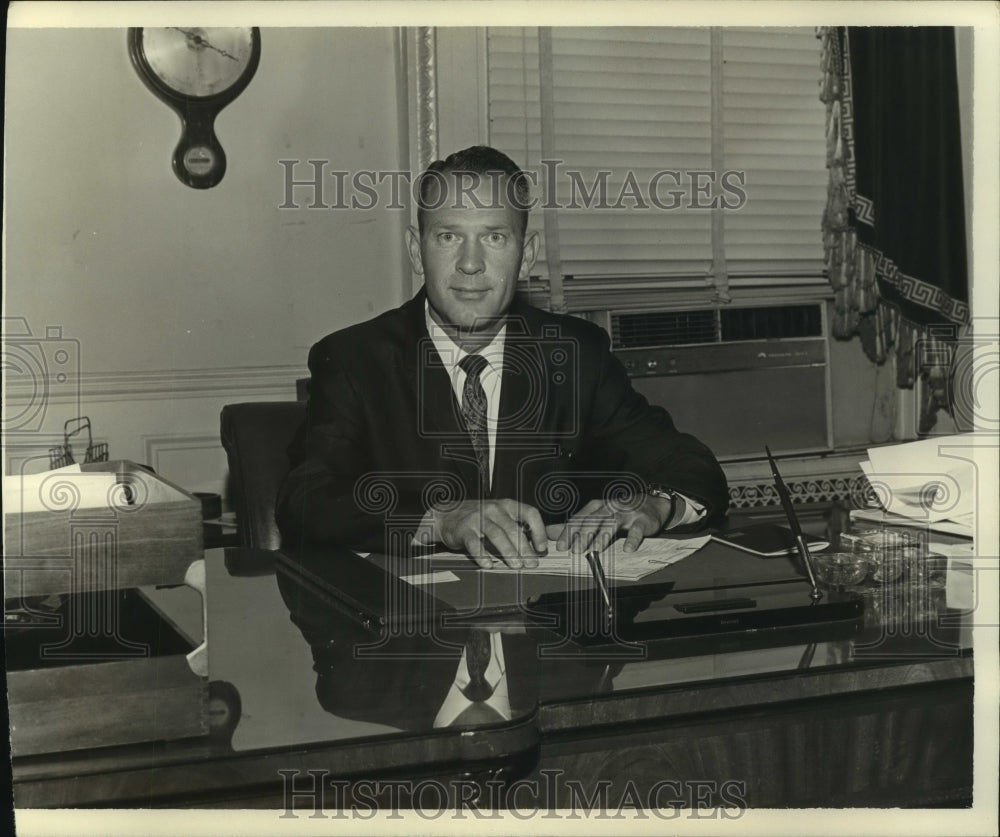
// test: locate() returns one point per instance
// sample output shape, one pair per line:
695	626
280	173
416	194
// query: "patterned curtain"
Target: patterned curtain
894	224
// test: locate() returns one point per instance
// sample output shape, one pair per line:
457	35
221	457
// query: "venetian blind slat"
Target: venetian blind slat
637	103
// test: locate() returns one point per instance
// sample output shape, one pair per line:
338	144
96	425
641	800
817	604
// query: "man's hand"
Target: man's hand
511	530
597	524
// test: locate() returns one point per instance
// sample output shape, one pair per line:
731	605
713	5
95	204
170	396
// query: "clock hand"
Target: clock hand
198	40
220	51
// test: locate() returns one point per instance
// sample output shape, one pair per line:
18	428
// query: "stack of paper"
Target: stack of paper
63	489
929	483
652	555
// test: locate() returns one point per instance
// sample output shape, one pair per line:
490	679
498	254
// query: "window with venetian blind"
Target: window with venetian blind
646	124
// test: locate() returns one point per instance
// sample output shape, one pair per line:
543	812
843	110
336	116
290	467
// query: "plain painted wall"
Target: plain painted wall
150	274
178	301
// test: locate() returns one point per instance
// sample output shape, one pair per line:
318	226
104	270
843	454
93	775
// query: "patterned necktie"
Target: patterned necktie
478	650
478	694
474	414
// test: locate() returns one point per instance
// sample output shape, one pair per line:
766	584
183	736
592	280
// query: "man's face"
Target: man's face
471	254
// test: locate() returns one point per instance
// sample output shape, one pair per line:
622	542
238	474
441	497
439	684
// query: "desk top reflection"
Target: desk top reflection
300	678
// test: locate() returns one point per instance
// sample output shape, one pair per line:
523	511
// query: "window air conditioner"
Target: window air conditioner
737	378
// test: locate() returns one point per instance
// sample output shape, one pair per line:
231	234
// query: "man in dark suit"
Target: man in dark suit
470	421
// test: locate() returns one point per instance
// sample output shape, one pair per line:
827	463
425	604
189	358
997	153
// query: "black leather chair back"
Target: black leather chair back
256	436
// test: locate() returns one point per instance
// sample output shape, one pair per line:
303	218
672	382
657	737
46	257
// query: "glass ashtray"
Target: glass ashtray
841	569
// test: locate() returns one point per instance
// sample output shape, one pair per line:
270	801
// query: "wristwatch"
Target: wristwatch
666	493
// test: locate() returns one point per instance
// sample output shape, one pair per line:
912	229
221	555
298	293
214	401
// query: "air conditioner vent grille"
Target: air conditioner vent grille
679	328
771	323
664	328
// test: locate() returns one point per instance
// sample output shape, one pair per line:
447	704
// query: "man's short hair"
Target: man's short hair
476	162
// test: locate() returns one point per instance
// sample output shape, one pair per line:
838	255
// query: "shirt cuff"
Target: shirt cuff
693	512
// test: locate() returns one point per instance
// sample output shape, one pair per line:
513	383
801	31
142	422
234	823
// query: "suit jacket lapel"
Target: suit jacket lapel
522	403
426	376
439	415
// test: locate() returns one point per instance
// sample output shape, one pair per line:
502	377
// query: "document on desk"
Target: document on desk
653	554
58	490
963	526
927	482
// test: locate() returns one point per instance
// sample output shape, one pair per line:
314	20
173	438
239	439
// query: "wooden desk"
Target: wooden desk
881	718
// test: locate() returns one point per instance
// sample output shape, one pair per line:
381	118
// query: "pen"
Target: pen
793	522
602	583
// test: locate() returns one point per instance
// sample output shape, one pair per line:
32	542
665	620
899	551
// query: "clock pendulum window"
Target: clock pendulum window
197	72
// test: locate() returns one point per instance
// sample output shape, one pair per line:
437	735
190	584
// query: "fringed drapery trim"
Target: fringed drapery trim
854	269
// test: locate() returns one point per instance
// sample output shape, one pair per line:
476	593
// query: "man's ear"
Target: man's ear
529	252
413	248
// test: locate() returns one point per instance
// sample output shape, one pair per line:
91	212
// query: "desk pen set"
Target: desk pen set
657	610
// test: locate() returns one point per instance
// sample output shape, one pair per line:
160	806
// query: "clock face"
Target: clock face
197	61
197	72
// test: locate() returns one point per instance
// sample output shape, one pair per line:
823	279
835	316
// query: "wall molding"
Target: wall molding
153	446
276	381
425	80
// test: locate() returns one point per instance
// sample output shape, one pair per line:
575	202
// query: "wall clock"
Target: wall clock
196	71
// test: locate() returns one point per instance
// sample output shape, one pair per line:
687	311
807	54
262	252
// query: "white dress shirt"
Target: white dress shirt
451	354
455	702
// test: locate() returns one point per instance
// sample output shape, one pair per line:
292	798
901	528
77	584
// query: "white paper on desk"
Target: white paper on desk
653	554
922	496
952	550
961	527
923	479
960	585
434	577
60	490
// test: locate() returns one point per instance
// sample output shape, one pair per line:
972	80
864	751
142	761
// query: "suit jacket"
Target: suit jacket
384	438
